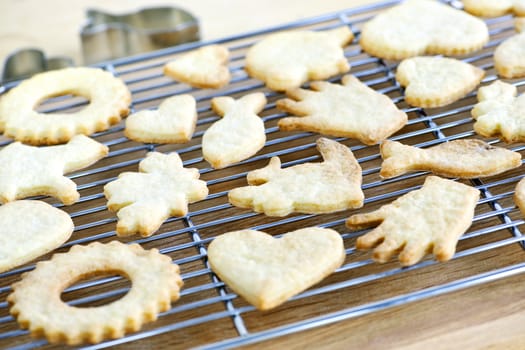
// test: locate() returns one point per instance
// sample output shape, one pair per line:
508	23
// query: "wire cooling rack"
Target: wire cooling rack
208	313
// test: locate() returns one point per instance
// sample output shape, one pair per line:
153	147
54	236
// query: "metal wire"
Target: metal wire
496	224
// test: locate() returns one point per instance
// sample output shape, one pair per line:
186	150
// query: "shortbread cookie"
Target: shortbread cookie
315	188
173	122
350	110
206	67
429	219
37	306
494	8
437	81
418	27
465	159
500	113
30	229
109	100
519	196
162	188
267	271
239	134
509	56
30	171
288	59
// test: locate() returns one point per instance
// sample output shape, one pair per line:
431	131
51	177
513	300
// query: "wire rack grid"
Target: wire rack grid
209	314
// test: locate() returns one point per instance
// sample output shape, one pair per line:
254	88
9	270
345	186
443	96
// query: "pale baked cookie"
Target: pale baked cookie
494	8
162	188
509	56
519	23
500	113
30	171
437	81
333	185
286	60
519	196
173	122
30	229
267	271
459	158
418	27
206	67
350	110
37	306
429	219
239	134
109	100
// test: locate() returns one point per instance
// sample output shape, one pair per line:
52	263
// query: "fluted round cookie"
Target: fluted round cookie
108	97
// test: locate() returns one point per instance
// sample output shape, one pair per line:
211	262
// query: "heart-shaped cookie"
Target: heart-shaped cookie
267	271
206	67
437	81
173	122
30	229
418	27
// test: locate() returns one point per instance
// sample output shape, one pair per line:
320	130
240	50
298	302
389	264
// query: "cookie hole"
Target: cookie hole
98	289
66	103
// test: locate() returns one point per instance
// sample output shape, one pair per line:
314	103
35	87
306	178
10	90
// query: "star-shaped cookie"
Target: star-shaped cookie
333	185
437	81
162	188
240	132
348	110
418	27
206	67
29	171
500	113
173	122
429	219
288	59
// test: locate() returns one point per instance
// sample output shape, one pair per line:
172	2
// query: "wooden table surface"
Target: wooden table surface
490	316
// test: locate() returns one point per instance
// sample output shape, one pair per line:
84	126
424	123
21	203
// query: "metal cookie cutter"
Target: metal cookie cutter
106	36
26	62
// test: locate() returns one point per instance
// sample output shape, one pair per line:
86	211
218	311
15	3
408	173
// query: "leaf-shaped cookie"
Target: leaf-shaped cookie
162	188
173	122
267	271
206	67
286	60
30	229
509	56
437	81
333	185
240	132
500	113
494	8
349	110
429	219
29	171
418	27
459	158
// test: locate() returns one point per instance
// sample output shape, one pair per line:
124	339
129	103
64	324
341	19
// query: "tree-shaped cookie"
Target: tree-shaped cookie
494	8
29	171
500	113
349	110
162	188
206	67
509	56
173	122
418	27
429	219
240	132
332	185
288	59
437	81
